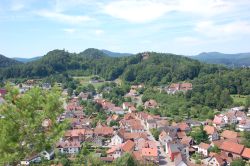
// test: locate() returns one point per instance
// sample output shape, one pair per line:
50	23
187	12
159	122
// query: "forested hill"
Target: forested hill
155	68
5	62
231	60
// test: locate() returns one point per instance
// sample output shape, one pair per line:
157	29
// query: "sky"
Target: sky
30	28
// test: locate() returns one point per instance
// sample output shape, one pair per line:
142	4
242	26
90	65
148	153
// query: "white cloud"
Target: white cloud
17	6
69	30
140	11
210	29
187	40
72	19
135	10
99	32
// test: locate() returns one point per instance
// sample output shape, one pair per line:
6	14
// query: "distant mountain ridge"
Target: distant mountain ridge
6	62
25	60
115	54
231	60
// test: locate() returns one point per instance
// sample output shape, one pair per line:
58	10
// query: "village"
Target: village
150	139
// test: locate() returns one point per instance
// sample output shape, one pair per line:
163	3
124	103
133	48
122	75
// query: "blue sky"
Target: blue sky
30	28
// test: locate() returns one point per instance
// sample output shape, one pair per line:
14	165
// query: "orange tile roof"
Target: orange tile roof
103	131
186	140
229	134
128	146
149	152
204	145
183	126
232	147
210	129
246	153
74	133
137	155
218	142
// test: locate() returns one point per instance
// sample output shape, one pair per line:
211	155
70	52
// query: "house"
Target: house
233	150
131	109
203	148
178	161
68	147
2	92
187	140
235	115
103	131
99	140
35	158
132	93
244	125
76	135
212	132
126	105
173	149
128	146
164	138
84	96
150	104
228	134
107	159
144	143
116	110
46	86
117	139
112	118
216	160
182	127
132	125
178	87
151	124
162	123
150	155
143	116
114	152
220	121
118	150
1	100
246	153
48	155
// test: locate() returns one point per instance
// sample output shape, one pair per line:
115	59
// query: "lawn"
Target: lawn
239	99
85	80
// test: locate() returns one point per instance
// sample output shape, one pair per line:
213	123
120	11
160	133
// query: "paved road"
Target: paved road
163	158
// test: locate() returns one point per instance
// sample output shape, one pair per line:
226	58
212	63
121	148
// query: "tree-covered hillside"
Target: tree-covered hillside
156	69
6	62
149	68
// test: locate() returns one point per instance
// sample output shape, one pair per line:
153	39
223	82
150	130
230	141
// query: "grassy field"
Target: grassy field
239	99
85	80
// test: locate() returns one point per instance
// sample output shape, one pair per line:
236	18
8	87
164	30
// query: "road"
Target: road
163	158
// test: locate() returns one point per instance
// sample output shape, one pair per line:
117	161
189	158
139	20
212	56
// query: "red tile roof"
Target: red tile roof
204	145
149	152
232	147
74	133
246	153
182	126
229	134
210	129
128	146
104	131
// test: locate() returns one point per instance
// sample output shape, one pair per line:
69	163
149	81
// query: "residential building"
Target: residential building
233	150
203	148
212	132
68	147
